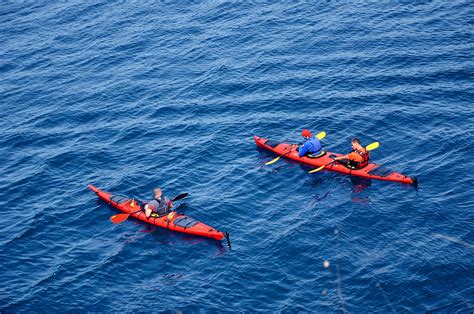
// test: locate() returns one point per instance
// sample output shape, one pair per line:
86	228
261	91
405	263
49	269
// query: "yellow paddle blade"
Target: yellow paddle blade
317	169
321	135
372	146
272	161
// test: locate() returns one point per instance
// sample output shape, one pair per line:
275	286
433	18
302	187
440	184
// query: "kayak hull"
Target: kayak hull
173	221
371	171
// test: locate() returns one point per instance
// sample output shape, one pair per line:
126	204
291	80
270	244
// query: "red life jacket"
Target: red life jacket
365	158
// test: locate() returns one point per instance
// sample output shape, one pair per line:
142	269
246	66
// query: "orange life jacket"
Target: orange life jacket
365	158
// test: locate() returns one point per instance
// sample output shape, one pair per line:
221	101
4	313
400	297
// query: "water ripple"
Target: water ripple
130	96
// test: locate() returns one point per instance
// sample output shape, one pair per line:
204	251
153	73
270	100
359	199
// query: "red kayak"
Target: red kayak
371	171
173	221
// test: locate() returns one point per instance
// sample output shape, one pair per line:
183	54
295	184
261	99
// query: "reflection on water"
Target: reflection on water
453	239
359	186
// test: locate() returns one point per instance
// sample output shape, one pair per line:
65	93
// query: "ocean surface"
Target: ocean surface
132	95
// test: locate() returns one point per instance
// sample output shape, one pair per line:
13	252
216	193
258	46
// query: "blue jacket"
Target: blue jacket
311	146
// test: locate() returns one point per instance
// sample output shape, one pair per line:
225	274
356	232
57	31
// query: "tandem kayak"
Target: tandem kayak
172	221
371	171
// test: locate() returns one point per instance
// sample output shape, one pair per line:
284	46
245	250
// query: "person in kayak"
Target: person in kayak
161	205
357	159
311	146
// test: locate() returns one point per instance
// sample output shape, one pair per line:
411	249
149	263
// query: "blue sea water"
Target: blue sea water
133	95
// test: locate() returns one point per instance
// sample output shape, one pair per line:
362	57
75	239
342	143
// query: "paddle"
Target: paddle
180	196
320	136
369	147
116	219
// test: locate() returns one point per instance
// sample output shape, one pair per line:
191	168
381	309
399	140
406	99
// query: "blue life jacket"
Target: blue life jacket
311	146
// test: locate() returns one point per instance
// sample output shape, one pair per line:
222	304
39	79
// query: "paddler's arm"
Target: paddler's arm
341	157
304	149
147	210
351	156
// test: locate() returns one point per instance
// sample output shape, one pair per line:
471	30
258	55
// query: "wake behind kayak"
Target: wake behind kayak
173	221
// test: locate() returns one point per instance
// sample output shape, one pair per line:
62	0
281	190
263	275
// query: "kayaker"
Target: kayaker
160	204
311	146
357	159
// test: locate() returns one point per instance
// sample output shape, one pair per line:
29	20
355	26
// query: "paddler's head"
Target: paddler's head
306	134
157	193
356	144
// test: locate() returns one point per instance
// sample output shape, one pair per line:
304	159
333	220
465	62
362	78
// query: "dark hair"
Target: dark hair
356	140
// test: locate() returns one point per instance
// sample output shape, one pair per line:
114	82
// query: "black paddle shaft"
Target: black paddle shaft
180	196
